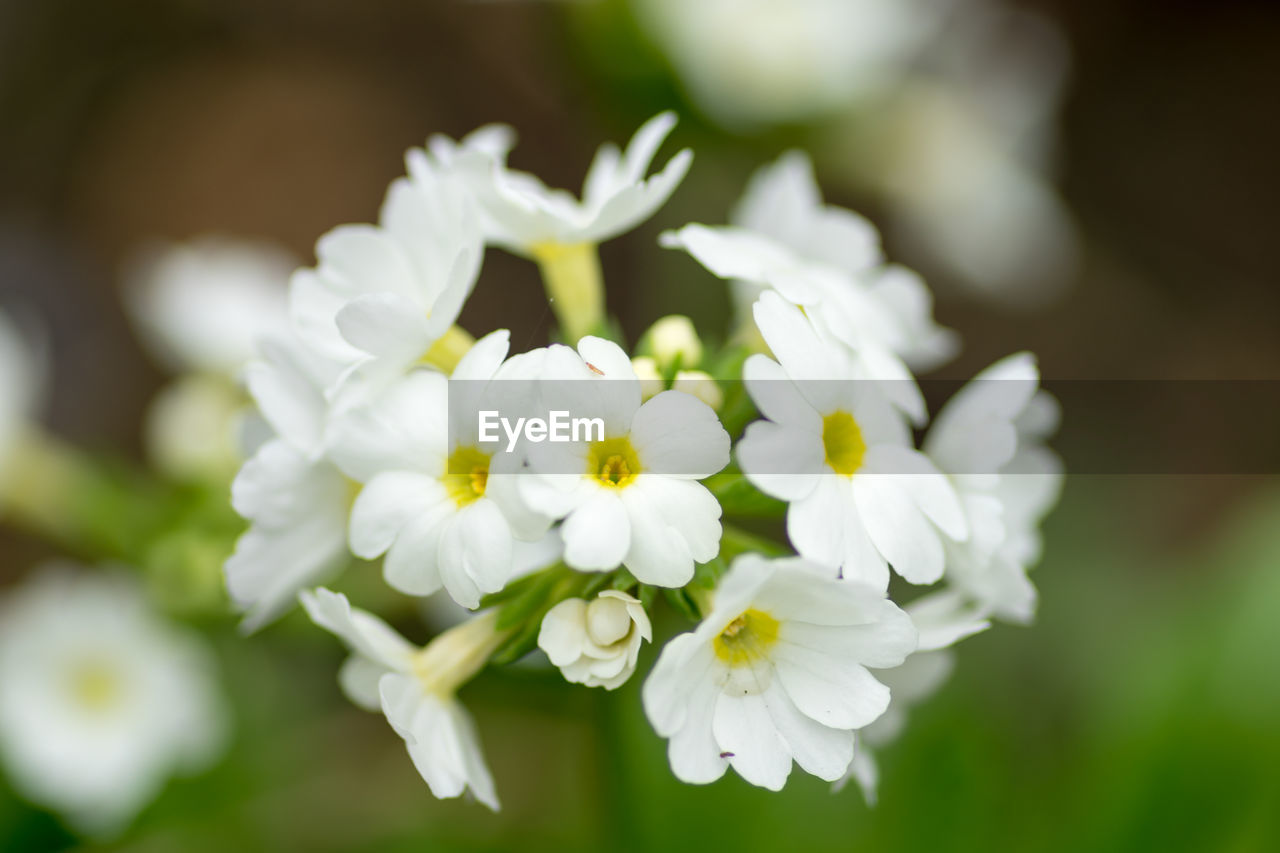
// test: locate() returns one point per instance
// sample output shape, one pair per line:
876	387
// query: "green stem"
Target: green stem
737	541
575	286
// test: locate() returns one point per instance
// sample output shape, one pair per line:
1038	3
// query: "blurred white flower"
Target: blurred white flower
524	216
414	688
860	496
750	62
382	295
776	671
596	643
441	508
631	499
202	306
100	700
295	499
989	438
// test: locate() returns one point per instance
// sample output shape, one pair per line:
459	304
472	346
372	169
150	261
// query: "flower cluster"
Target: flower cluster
372	395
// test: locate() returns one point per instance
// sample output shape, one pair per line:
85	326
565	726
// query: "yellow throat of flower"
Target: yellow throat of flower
95	686
843	443
466	475
613	462
746	639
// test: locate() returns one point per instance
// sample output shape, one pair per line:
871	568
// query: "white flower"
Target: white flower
919	677
203	306
382	295
776	671
860	496
443	509
21	377
415	689
596	643
524	216
747	62
100	701
826	259
295	499
783	202
989	439
632	498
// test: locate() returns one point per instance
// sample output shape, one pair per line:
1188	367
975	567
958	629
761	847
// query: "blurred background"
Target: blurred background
1095	181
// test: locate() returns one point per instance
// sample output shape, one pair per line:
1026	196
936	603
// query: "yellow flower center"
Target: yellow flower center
613	462
746	639
842	440
467	475
95	686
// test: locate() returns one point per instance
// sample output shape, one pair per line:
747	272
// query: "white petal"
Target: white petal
830	689
365	633
597	534
743	727
385	505
678	435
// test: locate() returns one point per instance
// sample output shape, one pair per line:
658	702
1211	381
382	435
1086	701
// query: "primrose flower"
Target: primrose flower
630	498
596	643
524	216
888	304
414	688
382	296
294	497
100	700
860	496
776	672
440	505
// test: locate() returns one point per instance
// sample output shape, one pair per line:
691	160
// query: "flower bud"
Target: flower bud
674	337
596	643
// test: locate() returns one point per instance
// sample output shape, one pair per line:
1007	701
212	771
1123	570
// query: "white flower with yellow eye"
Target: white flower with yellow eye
631	497
295	499
524	216
776	672
382	296
442	508
101	702
415	689
596	643
860	496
